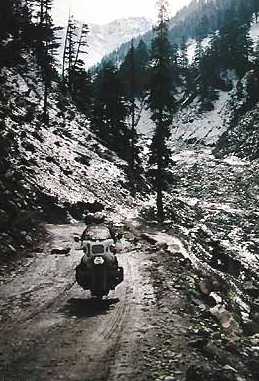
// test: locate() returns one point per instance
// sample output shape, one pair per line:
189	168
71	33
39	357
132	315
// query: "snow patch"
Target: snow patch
191	46
254	32
235	161
206	127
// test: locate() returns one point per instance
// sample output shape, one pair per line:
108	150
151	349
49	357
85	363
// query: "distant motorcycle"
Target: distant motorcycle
99	271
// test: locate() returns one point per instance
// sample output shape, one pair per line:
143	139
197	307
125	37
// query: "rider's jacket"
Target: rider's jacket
96	240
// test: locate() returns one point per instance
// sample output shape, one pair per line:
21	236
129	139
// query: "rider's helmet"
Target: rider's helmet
94	218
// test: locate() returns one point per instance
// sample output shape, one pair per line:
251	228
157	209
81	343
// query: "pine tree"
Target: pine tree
198	54
256	55
162	104
81	45
203	27
201	82
141	60
110	110
73	65
255	5
46	46
134	161
70	52
235	46
134	75
16	32
82	94
183	56
175	65
205	75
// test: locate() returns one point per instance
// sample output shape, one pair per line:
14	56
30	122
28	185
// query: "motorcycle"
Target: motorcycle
99	271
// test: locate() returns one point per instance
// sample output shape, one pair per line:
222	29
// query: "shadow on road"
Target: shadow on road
85	308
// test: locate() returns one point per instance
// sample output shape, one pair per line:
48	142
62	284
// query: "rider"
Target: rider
95	220
95	225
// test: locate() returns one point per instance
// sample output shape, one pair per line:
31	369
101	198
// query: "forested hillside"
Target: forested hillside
198	20
214	73
51	163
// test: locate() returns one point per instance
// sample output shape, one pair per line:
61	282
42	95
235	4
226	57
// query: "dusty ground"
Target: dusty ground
53	330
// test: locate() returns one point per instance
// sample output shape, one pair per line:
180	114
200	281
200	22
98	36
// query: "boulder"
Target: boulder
161	246
199	343
80	208
29	239
251	289
205	286
84	160
255	306
29	146
205	373
61	251
198	373
227	321
94	207
251	327
149	238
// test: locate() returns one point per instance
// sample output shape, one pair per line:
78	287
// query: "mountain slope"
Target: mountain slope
199	18
103	39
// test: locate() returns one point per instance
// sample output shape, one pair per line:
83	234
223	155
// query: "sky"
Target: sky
104	11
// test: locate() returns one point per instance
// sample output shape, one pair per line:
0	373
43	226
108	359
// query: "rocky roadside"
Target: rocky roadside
20	231
196	337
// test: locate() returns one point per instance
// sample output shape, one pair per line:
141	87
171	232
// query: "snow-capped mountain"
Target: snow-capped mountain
103	39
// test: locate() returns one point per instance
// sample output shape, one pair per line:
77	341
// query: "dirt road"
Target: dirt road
52	330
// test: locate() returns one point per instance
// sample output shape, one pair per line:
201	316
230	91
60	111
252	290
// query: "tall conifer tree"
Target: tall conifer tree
70	52
110	110
134	160
256	54
46	46
16	31
162	104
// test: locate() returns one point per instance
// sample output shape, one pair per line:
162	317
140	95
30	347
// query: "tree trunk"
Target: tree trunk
41	12
160	205
64	56
133	129
132	149
159	186
45	107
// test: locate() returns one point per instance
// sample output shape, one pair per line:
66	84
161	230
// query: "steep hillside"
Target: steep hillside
242	138
53	172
